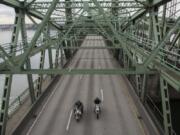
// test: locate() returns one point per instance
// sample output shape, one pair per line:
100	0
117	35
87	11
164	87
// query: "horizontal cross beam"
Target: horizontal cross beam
70	71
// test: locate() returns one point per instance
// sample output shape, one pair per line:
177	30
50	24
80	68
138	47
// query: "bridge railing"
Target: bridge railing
14	105
18	101
157	111
19	48
170	59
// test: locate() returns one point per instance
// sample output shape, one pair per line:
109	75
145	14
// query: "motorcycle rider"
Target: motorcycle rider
79	105
97	108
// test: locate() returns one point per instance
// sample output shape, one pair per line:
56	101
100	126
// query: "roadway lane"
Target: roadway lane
119	115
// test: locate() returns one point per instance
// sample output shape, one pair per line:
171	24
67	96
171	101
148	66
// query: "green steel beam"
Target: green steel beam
168	130
4	55
38	32
34	13
162	44
57	56
36	50
40	16
80	71
152	3
8	78
163	21
144	87
133	18
69	19
28	62
156	26
173	81
12	3
40	76
116	35
5	103
149	4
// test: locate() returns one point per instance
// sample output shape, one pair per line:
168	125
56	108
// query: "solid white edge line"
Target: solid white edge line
69	120
35	121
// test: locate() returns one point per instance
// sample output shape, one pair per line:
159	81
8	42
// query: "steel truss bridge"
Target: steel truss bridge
142	35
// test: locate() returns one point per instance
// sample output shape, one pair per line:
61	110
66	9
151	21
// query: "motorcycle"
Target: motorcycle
77	114
97	111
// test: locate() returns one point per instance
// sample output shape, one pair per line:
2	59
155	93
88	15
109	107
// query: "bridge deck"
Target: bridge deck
119	114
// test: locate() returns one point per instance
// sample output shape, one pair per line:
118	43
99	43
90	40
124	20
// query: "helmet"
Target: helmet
78	103
97	100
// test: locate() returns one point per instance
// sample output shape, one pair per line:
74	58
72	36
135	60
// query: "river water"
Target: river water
19	82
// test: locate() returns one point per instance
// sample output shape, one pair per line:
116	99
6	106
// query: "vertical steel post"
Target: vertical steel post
62	57
5	104
28	63
166	107
138	84
143	88
8	78
156	26
114	11
163	29
40	77
47	31
150	28
38	32
57	57
68	14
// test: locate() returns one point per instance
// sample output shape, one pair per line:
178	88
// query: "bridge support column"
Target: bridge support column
47	31
138	85
8	78
125	59
114	12
156	28
5	104
115	23
66	51
68	12
163	28
57	56
62	57
40	77
166	107
143	88
28	63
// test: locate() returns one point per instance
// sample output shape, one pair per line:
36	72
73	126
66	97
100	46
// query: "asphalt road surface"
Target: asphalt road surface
119	114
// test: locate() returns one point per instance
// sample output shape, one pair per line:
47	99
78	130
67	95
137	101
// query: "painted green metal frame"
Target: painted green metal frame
110	25
81	71
8	78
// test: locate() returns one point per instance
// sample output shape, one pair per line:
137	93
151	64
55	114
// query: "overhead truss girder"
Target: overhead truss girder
108	24
20	5
80	4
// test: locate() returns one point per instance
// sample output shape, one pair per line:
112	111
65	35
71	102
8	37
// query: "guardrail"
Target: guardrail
169	58
157	112
16	103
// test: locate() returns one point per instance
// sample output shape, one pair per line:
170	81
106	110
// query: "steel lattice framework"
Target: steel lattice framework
144	33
